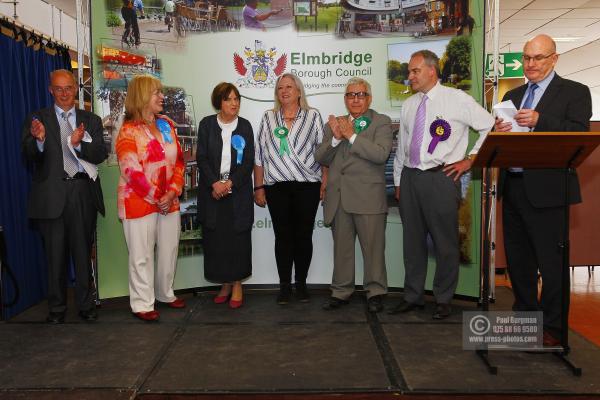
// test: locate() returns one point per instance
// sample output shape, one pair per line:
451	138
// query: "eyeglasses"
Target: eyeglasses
537	58
63	89
353	95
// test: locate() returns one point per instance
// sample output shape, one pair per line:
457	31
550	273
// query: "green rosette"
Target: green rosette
281	132
360	124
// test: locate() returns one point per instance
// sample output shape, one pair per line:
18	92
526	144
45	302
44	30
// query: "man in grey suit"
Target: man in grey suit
355	148
431	157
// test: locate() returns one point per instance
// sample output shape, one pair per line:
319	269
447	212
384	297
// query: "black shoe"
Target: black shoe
90	315
442	311
333	303
375	304
302	292
404	307
285	293
55	318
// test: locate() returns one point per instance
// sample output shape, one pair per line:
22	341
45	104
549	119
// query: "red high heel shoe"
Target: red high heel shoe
177	303
147	316
221	299
235	303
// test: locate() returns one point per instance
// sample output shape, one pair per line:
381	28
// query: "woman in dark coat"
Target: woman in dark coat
225	156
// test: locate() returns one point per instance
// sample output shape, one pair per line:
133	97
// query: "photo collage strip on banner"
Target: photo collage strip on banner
191	46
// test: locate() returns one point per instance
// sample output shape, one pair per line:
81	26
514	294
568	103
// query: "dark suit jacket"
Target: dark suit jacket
566	106
356	177
208	156
48	191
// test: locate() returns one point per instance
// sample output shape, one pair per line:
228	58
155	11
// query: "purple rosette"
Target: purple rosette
440	130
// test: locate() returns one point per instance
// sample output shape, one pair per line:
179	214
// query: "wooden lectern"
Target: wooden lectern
529	150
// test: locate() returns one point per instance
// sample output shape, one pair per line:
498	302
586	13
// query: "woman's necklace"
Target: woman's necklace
289	120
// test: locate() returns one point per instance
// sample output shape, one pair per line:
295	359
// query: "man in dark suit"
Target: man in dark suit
356	148
64	145
534	199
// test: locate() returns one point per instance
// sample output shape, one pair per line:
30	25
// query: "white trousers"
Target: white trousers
142	236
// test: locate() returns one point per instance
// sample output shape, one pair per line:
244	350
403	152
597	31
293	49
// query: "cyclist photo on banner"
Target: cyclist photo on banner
131	24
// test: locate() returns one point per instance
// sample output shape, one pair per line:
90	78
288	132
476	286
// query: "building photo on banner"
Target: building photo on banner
191	46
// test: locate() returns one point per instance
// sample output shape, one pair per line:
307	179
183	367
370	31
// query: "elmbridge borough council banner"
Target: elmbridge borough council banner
201	43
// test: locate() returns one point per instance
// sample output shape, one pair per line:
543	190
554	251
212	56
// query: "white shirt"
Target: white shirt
303	138
226	132
169	6
454	106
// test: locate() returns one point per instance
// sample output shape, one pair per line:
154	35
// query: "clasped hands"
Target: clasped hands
165	202
38	131
221	189
341	127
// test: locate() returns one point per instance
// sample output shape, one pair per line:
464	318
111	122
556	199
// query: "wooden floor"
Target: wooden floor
585	302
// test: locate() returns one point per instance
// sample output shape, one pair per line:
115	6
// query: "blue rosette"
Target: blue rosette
239	144
165	130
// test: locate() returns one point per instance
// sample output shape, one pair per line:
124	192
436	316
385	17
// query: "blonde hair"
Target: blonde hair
299	85
139	93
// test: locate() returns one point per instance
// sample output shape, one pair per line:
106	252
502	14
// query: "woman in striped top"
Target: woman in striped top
151	164
288	179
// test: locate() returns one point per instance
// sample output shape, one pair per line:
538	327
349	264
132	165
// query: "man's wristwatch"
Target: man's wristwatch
471	157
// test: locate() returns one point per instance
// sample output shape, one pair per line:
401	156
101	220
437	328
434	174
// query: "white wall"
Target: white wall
44	18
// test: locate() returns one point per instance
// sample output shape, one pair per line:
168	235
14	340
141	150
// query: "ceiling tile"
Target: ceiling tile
572	22
553	4
539	14
580	13
514	4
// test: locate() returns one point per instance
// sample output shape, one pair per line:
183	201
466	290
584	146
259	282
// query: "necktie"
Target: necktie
527	105
417	136
530	95
70	163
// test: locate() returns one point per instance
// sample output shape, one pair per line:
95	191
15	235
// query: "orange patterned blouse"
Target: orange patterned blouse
149	168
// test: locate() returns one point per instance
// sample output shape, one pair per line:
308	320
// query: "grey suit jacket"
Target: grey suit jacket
356	180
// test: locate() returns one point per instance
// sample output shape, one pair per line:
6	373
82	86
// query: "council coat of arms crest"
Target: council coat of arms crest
259	67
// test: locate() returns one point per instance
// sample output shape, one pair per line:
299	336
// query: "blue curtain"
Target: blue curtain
24	80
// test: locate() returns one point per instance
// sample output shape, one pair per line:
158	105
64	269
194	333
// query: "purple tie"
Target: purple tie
417	136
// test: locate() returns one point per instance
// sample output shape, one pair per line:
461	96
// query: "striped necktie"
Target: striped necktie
70	163
417	136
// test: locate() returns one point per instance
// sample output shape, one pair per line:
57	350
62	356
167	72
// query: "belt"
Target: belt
436	168
79	175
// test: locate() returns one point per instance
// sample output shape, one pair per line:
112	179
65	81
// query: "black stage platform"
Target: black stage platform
270	350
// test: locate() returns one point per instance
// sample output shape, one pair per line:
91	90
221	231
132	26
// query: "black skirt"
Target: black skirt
227	253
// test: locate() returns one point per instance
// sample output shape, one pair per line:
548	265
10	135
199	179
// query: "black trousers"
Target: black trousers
131	23
293	207
532	238
69	237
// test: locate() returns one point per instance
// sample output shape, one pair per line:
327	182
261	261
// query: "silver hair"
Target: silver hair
359	81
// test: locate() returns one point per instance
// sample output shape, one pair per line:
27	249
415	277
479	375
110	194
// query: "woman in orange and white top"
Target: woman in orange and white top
151	181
